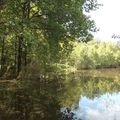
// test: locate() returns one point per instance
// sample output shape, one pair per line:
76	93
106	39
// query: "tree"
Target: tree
46	23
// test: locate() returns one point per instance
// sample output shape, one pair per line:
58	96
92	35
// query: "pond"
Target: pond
84	95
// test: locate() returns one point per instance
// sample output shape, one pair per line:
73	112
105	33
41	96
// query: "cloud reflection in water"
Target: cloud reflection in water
104	107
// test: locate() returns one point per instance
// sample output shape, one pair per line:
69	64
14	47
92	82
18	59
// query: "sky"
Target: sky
107	19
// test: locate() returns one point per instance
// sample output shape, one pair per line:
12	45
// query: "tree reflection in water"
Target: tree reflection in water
51	101
35	102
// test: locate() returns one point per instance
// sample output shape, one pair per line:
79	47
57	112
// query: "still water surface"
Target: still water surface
77	97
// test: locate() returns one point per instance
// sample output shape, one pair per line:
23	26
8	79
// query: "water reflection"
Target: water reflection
74	98
105	107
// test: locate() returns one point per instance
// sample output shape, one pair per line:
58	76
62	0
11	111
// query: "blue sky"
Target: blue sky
107	19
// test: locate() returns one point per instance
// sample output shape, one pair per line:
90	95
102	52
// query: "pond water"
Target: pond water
105	107
75	97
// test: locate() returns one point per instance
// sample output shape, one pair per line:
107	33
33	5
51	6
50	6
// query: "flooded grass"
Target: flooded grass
107	73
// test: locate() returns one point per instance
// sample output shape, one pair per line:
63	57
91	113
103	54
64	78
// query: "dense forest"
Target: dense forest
50	62
95	55
41	31
38	37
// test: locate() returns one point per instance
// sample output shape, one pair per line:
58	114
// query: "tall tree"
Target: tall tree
48	24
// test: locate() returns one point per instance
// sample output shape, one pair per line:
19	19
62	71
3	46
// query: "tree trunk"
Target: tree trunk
2	57
19	57
15	55
25	55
